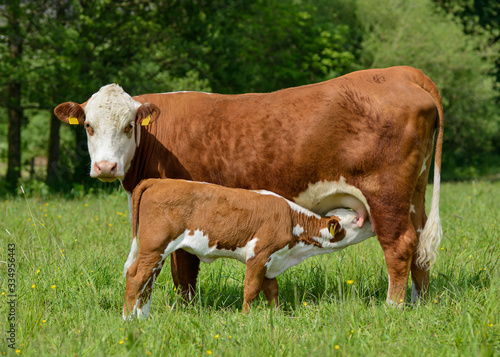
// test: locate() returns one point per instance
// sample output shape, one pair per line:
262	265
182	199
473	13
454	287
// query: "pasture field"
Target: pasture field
69	254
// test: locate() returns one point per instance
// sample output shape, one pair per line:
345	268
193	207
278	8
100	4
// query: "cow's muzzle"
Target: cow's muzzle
106	171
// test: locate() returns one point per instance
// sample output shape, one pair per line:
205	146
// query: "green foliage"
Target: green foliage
269	45
70	253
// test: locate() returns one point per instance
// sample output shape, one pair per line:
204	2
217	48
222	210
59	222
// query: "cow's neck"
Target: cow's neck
152	159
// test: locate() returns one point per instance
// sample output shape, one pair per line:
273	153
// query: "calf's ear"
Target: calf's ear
70	112
147	113
334	226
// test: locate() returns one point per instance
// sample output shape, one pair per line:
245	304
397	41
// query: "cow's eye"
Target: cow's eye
89	128
129	128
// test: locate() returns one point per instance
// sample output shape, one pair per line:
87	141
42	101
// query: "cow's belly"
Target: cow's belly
324	196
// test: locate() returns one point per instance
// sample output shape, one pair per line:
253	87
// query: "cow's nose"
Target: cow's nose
105	168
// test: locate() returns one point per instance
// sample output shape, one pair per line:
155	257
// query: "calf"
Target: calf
259	228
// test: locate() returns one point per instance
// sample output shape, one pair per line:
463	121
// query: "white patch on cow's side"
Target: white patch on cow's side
412	208
109	112
293	205
298	230
323	196
197	243
132	256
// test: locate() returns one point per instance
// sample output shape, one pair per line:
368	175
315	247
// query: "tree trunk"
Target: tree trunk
15	114
15	111
53	175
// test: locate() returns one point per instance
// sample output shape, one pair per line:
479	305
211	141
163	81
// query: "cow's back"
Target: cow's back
356	126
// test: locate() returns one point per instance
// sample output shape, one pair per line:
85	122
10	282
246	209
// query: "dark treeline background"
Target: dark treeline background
52	51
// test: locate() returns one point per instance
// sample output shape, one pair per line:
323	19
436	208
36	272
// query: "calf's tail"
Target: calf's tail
136	201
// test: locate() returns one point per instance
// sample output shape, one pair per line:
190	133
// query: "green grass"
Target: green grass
70	254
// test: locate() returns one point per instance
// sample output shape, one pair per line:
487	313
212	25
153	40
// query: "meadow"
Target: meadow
69	253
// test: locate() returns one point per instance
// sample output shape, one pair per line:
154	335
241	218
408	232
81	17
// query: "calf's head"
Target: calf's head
112	119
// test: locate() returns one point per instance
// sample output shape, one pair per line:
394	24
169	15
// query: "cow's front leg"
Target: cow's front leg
398	253
185	267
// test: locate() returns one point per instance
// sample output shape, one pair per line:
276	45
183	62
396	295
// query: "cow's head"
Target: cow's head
112	119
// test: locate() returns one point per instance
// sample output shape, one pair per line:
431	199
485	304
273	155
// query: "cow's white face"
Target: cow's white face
110	122
112	119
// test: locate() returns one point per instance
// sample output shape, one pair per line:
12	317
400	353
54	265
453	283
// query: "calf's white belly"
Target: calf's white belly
197	243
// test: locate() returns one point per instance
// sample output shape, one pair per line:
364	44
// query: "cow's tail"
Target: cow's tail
430	237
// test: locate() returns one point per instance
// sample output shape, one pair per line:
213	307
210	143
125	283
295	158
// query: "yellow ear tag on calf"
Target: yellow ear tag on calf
332	231
146	120
73	121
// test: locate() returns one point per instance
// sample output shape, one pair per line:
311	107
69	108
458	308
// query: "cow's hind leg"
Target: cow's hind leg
398	240
419	274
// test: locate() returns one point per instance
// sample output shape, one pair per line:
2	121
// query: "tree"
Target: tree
14	39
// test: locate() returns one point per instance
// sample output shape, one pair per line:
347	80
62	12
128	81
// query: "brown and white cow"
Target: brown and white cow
259	228
365	138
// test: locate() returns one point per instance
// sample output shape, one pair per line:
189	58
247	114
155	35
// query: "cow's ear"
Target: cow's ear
334	226
147	113
71	113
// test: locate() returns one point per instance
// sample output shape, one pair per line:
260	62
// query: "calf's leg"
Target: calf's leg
254	279
140	280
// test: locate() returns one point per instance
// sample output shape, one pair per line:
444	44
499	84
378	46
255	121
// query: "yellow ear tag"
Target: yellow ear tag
332	232
146	120
73	121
